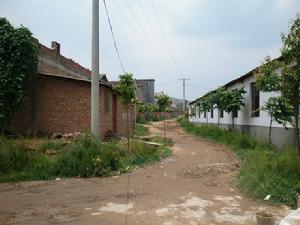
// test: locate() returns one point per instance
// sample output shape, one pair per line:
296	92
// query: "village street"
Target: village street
193	186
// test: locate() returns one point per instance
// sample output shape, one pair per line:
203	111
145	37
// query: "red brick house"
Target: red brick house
59	99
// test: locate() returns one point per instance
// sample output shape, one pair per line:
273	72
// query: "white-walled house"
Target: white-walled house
249	120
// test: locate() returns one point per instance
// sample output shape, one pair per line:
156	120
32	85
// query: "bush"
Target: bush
264	171
83	157
86	157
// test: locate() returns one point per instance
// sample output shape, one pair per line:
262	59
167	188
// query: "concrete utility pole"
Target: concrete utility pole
95	117
183	93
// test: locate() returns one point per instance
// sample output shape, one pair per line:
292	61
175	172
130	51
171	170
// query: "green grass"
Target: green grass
264	170
85	156
51	145
141	130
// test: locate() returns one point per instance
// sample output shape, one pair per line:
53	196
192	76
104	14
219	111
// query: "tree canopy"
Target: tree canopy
18	61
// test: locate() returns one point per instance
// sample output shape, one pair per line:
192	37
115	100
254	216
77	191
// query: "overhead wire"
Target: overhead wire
153	46
137	35
155	35
197	86
113	36
164	36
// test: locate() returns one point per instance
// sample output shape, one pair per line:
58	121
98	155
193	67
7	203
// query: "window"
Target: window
212	113
254	100
222	113
235	114
106	101
199	112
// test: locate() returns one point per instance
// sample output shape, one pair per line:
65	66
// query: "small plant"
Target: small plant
163	102
126	89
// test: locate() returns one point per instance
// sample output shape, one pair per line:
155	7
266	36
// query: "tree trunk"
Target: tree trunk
219	118
232	121
165	132
127	129
270	130
206	118
296	115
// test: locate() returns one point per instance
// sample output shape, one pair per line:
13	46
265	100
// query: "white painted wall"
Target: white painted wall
244	116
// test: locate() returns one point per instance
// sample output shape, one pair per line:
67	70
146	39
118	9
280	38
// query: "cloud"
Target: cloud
212	41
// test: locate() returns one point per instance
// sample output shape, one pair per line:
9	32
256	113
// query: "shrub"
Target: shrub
85	156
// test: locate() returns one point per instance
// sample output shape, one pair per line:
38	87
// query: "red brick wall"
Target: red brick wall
62	105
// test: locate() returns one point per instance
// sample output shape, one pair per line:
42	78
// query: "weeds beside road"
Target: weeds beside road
84	156
264	171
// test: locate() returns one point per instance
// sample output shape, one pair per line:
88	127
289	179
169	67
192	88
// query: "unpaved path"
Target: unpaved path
194	186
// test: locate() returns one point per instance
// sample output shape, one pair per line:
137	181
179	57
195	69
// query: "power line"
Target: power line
138	36
196	86
145	33
113	36
156	37
164	36
183	92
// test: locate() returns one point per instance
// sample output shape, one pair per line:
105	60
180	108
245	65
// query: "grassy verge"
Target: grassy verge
141	130
264	171
84	156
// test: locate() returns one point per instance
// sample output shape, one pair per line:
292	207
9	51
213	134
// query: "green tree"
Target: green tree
291	71
163	102
18	62
288	82
126	89
233	102
205	105
267	80
217	100
149	109
279	110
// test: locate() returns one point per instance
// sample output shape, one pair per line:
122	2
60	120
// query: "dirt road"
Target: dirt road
194	186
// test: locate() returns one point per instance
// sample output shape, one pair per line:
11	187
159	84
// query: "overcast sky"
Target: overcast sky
211	41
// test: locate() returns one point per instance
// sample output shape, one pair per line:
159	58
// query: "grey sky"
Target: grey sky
213	41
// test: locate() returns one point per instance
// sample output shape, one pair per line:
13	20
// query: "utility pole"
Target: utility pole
95	117
183	95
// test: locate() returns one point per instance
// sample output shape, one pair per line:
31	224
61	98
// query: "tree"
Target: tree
149	109
205	104
217	100
278	110
268	80
288	83
18	62
126	89
291	72
233	102
163	102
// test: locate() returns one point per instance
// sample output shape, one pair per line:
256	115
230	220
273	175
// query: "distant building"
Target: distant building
145	90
